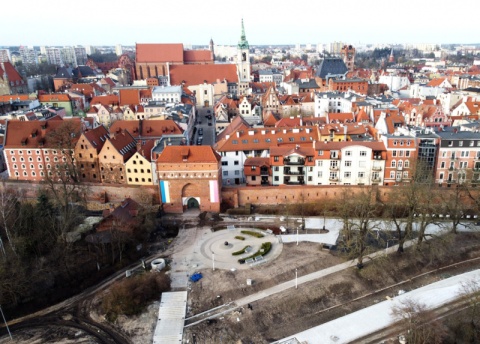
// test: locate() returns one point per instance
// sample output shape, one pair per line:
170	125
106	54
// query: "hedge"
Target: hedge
255	234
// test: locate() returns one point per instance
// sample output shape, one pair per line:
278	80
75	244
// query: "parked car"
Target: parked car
200	131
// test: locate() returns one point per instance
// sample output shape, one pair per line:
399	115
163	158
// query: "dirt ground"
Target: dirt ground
312	304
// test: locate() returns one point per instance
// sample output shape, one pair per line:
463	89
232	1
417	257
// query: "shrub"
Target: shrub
242	251
255	234
240	237
131	295
264	249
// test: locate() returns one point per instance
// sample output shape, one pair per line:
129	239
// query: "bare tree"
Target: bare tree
62	181
419	323
470	291
9	200
358	216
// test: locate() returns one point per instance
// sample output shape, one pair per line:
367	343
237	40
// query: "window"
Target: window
361	174
348	163
276	168
237	173
463	164
80	155
224	163
275	158
253	168
392	174
348	153
441	176
405	174
320	174
320	152
394	163
225	173
407	164
347	174
363	153
275	178
320	163
460	143
407	154
394	153
236	162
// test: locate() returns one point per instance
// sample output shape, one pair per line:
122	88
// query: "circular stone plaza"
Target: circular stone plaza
217	248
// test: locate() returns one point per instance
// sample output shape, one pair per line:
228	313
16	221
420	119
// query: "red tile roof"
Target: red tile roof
265	138
237	123
192	56
288	122
147	128
106	101
29	134
337	145
343	117
54	97
192	154
97	137
6	98
198	74
154	52
436	82
12	73
124	143
129	97
85	89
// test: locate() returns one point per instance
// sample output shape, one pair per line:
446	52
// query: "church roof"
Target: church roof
332	66
191	56
154	52
198	74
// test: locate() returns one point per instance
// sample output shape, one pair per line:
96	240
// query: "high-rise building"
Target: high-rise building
118	50
4	55
28	54
54	56
80	55
68	56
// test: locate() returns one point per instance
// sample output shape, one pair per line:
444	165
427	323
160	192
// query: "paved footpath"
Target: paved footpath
379	316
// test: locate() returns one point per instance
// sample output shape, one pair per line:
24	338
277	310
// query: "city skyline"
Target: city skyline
114	22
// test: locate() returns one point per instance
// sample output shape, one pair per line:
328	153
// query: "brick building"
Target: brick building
30	151
154	60
113	156
87	152
189	177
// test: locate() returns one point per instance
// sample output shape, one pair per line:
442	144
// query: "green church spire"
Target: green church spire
243	43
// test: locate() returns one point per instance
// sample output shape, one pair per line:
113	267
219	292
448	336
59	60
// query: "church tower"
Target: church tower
348	55
243	63
212	50
391	58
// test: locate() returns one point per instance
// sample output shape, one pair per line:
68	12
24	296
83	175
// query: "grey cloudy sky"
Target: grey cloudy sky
110	22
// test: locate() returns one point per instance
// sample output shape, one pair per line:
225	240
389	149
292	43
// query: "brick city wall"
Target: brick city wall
100	196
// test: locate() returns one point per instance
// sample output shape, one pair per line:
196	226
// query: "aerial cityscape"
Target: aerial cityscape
252	184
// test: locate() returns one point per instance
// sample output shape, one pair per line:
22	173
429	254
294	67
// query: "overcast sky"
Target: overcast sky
110	22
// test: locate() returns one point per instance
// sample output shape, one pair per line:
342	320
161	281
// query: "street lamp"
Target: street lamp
296	279
213	260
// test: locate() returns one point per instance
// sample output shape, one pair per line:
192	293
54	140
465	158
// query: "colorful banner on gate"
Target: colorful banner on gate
165	191
214	195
